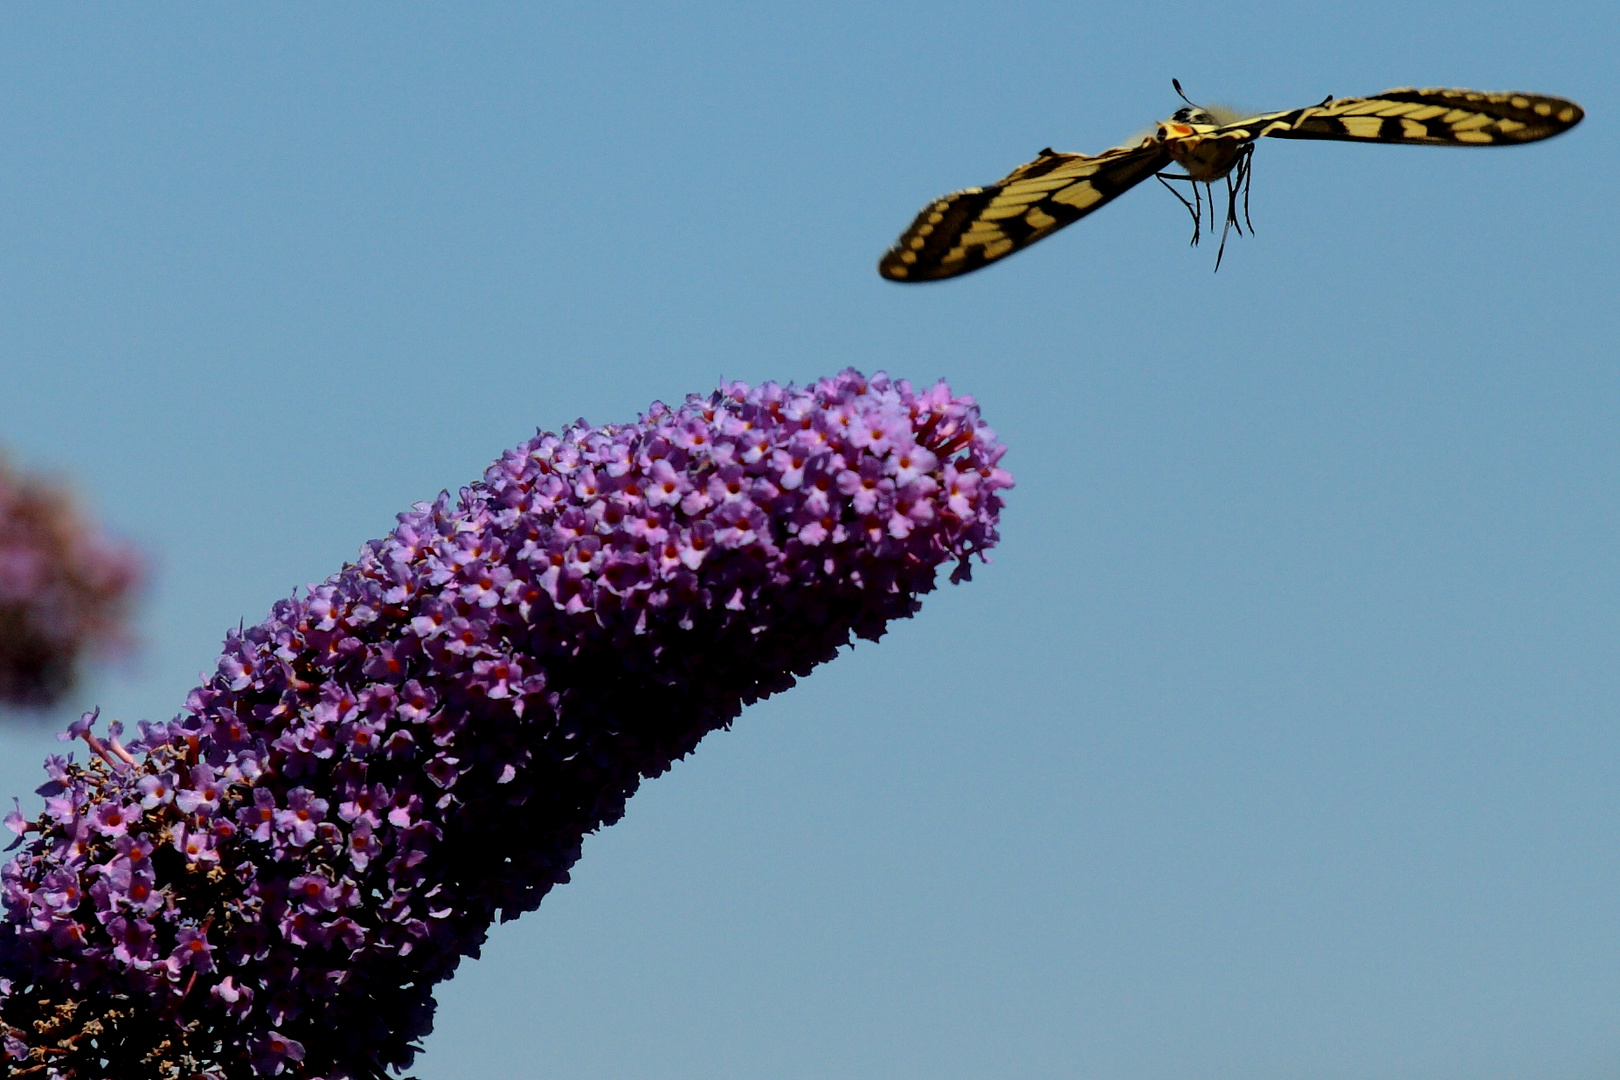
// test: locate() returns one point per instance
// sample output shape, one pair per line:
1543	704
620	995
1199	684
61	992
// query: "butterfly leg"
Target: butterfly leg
1196	212
1231	219
1235	185
1246	181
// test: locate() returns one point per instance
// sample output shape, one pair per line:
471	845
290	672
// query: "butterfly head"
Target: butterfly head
1195	119
1186	124
1193	114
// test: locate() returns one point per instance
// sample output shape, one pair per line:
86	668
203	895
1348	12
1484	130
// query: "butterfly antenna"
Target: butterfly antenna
1177	84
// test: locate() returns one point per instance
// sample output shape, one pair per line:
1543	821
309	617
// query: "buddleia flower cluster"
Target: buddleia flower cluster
272	883
66	589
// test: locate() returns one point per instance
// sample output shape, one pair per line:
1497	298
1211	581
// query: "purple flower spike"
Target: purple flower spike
65	589
417	746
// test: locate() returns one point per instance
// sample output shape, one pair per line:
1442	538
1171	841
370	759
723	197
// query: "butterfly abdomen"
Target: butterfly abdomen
1205	154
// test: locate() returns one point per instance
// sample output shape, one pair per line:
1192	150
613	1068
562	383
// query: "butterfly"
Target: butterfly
962	231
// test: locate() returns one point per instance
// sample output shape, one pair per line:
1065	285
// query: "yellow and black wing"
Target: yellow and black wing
965	230
1434	116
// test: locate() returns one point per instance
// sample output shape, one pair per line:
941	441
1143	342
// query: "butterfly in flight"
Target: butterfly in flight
962	231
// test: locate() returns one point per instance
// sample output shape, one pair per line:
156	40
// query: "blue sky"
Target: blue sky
1280	738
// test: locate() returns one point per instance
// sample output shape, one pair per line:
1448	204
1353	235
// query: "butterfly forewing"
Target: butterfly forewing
968	229
1433	116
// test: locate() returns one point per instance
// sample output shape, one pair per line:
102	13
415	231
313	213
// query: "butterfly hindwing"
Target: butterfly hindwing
968	229
1434	116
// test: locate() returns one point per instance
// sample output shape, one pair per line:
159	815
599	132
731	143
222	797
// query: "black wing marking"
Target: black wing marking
1434	116
968	229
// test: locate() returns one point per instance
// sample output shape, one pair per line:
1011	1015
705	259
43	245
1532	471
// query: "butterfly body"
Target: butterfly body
1204	150
968	229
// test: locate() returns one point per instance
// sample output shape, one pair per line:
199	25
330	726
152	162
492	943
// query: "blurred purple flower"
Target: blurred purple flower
66	589
419	745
